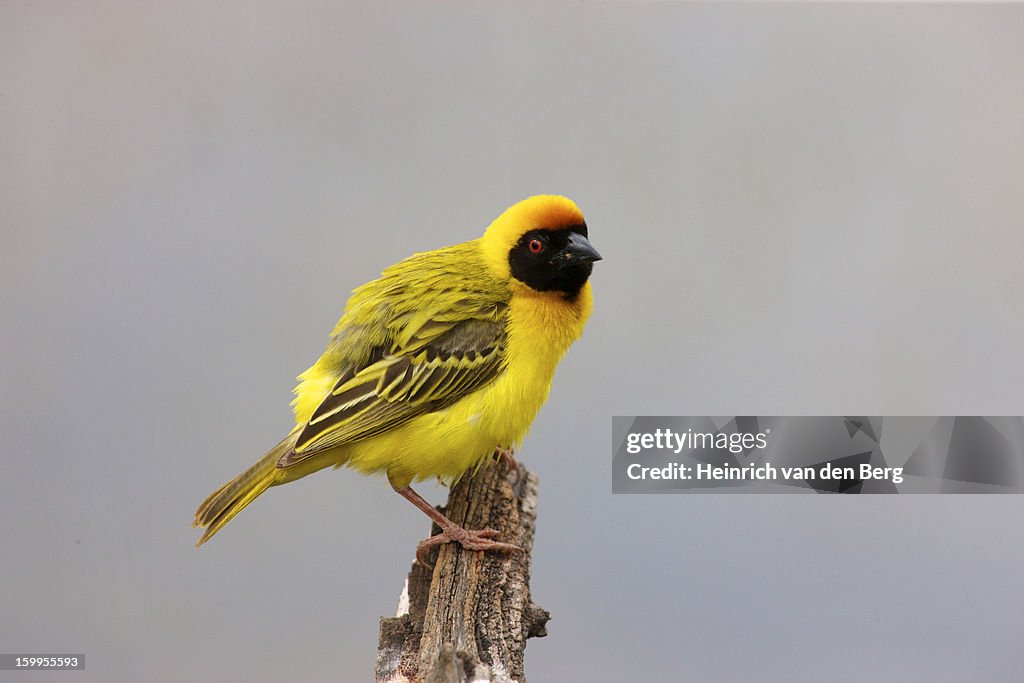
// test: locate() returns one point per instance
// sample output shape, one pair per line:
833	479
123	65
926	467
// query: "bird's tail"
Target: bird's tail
227	501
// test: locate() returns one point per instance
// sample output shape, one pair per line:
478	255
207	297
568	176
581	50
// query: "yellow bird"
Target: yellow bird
438	364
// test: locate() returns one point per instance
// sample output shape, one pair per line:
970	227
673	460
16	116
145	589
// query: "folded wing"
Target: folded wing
430	367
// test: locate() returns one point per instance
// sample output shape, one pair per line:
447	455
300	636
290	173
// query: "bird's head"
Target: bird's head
542	243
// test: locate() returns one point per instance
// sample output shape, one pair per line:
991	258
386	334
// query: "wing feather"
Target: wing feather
441	361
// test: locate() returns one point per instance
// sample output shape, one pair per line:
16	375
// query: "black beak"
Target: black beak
579	250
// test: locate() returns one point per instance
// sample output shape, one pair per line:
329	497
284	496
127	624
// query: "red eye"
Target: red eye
536	246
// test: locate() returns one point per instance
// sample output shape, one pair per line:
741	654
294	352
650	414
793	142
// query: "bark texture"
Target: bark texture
468	618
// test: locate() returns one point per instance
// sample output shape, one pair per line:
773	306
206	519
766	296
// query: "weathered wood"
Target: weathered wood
468	619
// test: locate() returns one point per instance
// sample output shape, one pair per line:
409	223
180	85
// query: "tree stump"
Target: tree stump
468	618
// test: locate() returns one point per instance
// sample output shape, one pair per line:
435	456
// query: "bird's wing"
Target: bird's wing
431	368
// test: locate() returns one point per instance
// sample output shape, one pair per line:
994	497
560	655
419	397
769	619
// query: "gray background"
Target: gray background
803	210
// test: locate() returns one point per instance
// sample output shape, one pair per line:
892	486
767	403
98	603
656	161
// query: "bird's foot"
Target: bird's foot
470	539
479	539
506	457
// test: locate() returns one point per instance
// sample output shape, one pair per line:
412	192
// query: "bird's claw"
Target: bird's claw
470	539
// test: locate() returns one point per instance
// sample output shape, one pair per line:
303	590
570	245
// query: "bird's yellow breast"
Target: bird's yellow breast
447	443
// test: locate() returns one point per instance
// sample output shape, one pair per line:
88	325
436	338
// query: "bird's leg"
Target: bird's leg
505	456
470	539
